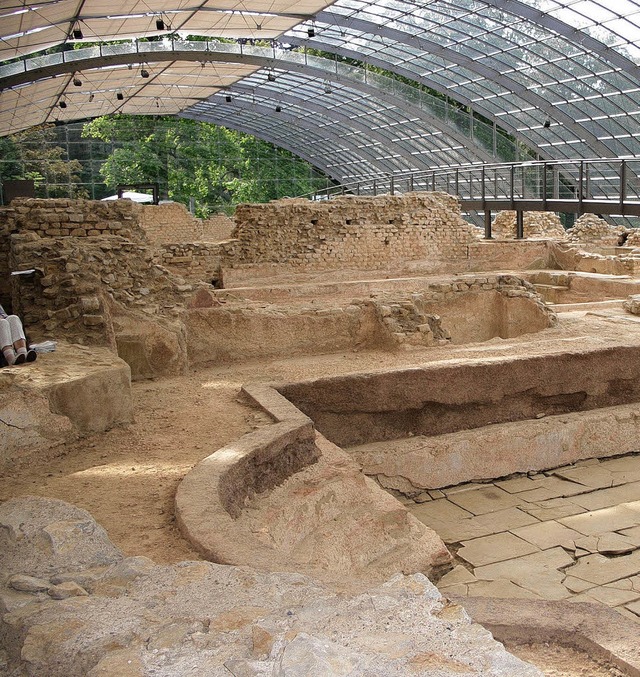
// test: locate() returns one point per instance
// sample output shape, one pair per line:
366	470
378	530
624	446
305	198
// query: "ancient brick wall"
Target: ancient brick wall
170	222
535	225
61	218
200	261
217	228
78	218
592	230
353	232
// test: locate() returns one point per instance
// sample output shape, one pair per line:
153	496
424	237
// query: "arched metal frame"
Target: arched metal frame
381	89
563	80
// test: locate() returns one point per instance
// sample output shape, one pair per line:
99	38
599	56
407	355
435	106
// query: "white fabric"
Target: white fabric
10	331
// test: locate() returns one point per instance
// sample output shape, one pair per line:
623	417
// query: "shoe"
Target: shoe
20	358
31	355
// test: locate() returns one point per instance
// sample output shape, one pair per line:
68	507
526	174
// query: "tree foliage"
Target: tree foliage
216	166
32	154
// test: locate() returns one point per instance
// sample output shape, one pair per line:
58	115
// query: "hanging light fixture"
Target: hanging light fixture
144	73
120	96
278	108
77	32
77	81
547	123
62	104
159	25
311	32
271	76
92	96
227	98
327	87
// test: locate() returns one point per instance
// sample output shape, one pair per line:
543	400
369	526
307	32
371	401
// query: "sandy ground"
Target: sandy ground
559	661
127	477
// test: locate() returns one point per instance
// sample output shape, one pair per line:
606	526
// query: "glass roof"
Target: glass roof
549	78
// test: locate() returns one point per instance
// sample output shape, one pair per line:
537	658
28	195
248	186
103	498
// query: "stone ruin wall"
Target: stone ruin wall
536	225
170	222
353	232
590	229
62	218
217	228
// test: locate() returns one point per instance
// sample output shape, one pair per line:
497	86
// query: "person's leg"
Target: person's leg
6	342
18	338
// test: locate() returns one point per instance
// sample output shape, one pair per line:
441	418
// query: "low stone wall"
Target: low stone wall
64	395
415	464
447	397
282	498
535	225
169	222
487	255
353	232
199	261
426	312
559	286
574	258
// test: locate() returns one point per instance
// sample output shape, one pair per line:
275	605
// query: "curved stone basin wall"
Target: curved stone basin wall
284	499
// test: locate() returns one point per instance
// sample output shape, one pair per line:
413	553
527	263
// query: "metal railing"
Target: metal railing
601	186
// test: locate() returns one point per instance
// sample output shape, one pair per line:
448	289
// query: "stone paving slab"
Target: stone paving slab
599	569
487	524
602	521
488	498
591	477
553	509
494	548
606	498
582	522
548	534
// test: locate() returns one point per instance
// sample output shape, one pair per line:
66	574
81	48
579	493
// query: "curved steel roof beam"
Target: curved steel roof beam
336	114
200	112
572	34
231	54
452	56
285	141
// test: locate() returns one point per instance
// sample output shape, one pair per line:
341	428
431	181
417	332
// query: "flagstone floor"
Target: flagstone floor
572	534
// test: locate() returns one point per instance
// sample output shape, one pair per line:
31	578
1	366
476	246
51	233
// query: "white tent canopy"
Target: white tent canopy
131	195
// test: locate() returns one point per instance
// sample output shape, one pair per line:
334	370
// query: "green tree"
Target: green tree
216	166
34	154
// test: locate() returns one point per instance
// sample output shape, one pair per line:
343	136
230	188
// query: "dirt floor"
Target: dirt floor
560	661
127	477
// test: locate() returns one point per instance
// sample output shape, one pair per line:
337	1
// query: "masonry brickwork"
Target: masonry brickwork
535	225
593	230
217	228
353	232
63	218
170	222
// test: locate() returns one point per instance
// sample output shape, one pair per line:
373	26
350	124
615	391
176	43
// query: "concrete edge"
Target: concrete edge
211	496
596	629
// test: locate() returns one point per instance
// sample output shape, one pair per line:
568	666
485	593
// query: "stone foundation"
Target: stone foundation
415	464
447	397
283	498
535	225
64	395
